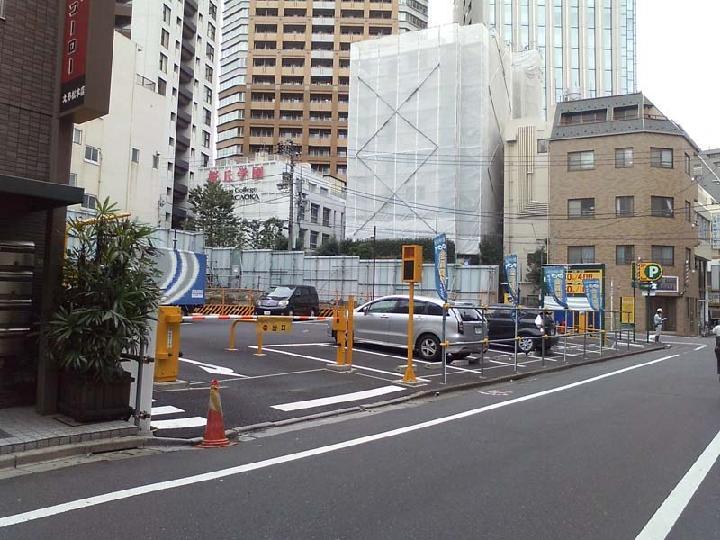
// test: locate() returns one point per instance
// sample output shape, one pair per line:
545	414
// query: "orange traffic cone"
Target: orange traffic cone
214	436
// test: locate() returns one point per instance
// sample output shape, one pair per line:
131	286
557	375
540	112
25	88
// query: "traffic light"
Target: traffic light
412	259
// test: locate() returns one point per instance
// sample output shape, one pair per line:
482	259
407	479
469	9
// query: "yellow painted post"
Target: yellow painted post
167	343
339	324
259	332
231	343
409	372
349	335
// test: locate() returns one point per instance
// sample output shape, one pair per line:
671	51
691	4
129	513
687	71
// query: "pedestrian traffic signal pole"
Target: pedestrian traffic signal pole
409	376
411	274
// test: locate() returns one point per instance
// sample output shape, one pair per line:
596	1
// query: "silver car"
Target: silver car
384	322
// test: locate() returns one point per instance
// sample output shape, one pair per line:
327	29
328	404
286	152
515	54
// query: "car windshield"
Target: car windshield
279	293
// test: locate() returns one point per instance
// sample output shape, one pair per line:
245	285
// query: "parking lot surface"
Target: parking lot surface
295	378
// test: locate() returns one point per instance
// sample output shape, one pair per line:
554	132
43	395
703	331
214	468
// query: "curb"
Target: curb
29	457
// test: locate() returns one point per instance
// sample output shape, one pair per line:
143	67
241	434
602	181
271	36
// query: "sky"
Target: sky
678	48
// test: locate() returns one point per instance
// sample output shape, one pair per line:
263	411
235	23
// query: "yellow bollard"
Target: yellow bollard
409	376
340	325
167	343
231	341
350	328
259	333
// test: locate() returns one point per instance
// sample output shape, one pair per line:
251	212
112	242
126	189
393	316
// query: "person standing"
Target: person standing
658	321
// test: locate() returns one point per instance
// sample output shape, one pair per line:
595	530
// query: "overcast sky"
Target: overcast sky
678	50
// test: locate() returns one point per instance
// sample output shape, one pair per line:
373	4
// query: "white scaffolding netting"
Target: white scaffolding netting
425	149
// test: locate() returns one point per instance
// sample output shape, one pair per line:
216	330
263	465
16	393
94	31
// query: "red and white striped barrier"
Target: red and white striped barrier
216	317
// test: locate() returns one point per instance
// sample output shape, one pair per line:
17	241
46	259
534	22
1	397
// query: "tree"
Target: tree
214	209
535	262
491	251
329	248
266	234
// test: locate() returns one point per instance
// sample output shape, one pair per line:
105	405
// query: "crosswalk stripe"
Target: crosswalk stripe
354	396
167	409
175	423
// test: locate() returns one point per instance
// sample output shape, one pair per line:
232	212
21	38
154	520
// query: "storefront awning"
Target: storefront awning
27	195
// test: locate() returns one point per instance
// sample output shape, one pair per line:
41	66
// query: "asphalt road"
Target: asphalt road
621	449
294	378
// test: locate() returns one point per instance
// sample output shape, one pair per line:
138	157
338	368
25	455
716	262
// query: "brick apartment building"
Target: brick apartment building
35	141
622	191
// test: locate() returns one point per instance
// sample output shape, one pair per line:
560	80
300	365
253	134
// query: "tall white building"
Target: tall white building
588	45
175	44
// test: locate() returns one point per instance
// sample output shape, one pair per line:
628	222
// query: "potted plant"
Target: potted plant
108	295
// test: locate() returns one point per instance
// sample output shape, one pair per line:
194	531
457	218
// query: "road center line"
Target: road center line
669	512
88	502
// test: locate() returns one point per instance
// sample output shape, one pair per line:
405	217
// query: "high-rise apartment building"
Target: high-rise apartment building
175	57
588	45
285	72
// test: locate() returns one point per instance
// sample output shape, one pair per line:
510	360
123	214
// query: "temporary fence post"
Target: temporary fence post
516	339
565	338
339	323
482	357
542	348
585	331
444	342
349	333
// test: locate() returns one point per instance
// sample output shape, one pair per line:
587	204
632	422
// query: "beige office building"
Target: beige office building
285	72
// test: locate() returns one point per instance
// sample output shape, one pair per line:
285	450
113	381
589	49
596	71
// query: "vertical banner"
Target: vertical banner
441	276
510	263
593	293
556	284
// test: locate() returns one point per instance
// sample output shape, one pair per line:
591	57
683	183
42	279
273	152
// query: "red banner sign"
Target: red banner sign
74	54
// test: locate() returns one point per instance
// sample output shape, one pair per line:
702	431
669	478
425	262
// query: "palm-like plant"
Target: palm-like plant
108	294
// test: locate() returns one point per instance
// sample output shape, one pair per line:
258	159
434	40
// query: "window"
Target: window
208	95
314	211
165	38
163	63
626	113
313	239
326	215
623	158
208	117
624	254
162	86
624	206
381	306
581	254
166	14
77	136
581	161
206	139
135	155
542	146
92	154
213	10
663	255
661	157
688	212
73	179
662	206
156	161
210	52
581	208
89	201
208	74
205	160
687	164
211	31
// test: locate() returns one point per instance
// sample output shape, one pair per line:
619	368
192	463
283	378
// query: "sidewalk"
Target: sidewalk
23	430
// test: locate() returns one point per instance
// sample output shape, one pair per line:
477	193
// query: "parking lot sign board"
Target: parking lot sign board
650	272
274	324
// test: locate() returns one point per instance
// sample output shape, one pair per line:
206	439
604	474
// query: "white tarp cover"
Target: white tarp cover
425	152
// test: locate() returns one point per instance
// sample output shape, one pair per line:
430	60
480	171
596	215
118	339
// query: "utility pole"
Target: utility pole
288	148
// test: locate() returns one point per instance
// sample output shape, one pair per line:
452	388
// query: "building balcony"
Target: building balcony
263	141
181	141
181	166
264	70
263	105
265	36
343	72
183	119
180	189
293	70
188	50
321	53
185	94
324	38
187	74
191	7
189	28
342	106
292	105
323	21
320	141
179	213
321	72
325	106
323	4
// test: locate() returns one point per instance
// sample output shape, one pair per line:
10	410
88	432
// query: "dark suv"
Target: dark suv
289	300
501	325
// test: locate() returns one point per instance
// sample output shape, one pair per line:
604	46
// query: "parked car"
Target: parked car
289	300
501	325
384	322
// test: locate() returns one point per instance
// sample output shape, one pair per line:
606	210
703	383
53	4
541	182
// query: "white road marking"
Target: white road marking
88	502
168	409
302	345
175	423
213	369
700	347
325	361
669	512
353	396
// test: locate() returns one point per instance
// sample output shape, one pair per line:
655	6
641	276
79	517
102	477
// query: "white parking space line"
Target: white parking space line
325	361
342	398
176	423
672	508
700	347
706	459
168	409
302	345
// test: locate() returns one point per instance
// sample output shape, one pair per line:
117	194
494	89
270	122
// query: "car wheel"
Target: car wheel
526	344
428	346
